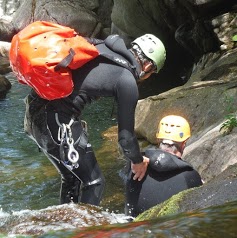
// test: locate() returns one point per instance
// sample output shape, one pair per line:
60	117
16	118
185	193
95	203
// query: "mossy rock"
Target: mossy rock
171	206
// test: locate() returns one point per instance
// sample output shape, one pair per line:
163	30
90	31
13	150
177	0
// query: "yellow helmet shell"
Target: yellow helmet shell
174	128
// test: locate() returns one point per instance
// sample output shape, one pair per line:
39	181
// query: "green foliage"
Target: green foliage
231	121
229	124
234	38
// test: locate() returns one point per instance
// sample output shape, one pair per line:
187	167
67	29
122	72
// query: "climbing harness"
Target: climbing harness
68	153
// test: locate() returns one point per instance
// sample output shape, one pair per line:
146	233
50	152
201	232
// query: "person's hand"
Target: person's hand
139	170
146	159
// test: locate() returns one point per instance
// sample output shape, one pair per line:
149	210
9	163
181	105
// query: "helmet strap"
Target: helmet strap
147	68
146	64
142	73
176	148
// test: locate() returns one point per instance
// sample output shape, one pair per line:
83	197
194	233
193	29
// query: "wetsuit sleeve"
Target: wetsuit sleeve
127	97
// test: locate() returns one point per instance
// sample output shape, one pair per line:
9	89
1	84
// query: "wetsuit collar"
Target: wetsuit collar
117	44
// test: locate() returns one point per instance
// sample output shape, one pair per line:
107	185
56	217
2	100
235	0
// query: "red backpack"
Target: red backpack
43	54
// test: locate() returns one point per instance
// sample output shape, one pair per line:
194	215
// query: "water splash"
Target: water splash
55	218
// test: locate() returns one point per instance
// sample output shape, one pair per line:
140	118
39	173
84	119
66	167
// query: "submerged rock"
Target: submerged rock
67	216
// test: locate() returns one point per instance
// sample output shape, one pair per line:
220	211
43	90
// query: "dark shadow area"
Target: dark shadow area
176	71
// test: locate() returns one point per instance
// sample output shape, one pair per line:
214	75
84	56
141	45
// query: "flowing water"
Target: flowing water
29	188
26	174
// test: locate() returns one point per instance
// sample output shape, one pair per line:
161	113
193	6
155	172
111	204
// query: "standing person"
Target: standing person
56	126
167	173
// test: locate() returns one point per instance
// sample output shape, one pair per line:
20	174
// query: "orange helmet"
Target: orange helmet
174	128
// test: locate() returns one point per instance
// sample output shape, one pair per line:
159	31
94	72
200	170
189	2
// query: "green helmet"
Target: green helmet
153	48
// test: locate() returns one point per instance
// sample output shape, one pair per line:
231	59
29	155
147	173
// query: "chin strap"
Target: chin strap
142	73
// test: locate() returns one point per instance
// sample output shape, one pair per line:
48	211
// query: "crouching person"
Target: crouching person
167	174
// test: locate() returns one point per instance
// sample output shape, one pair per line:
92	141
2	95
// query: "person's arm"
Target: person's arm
129	146
139	170
127	97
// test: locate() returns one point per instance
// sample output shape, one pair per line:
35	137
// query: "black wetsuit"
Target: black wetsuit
166	175
100	77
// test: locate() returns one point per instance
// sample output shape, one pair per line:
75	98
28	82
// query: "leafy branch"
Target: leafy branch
234	38
229	124
231	120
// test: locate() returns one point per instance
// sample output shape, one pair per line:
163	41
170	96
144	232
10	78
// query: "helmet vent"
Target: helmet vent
151	50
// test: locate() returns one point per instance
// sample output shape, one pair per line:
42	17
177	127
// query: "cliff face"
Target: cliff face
190	29
199	82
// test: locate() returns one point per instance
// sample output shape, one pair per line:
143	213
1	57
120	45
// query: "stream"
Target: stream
29	188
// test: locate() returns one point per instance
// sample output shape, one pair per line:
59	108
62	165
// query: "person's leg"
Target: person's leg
70	190
41	126
83	184
132	189
93	181
44	130
86	175
70	184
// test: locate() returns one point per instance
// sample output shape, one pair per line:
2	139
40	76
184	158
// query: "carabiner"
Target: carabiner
73	155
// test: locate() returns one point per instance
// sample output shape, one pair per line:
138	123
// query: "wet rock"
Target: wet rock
86	17
211	153
4	51
68	216
7	30
73	14
4	65
5	86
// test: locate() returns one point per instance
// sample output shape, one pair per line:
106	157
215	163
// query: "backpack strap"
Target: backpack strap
109	42
66	61
118	48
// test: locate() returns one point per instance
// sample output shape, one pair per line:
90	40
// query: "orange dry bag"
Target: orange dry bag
43	54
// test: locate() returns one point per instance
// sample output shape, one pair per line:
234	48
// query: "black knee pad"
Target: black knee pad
92	192
92	178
